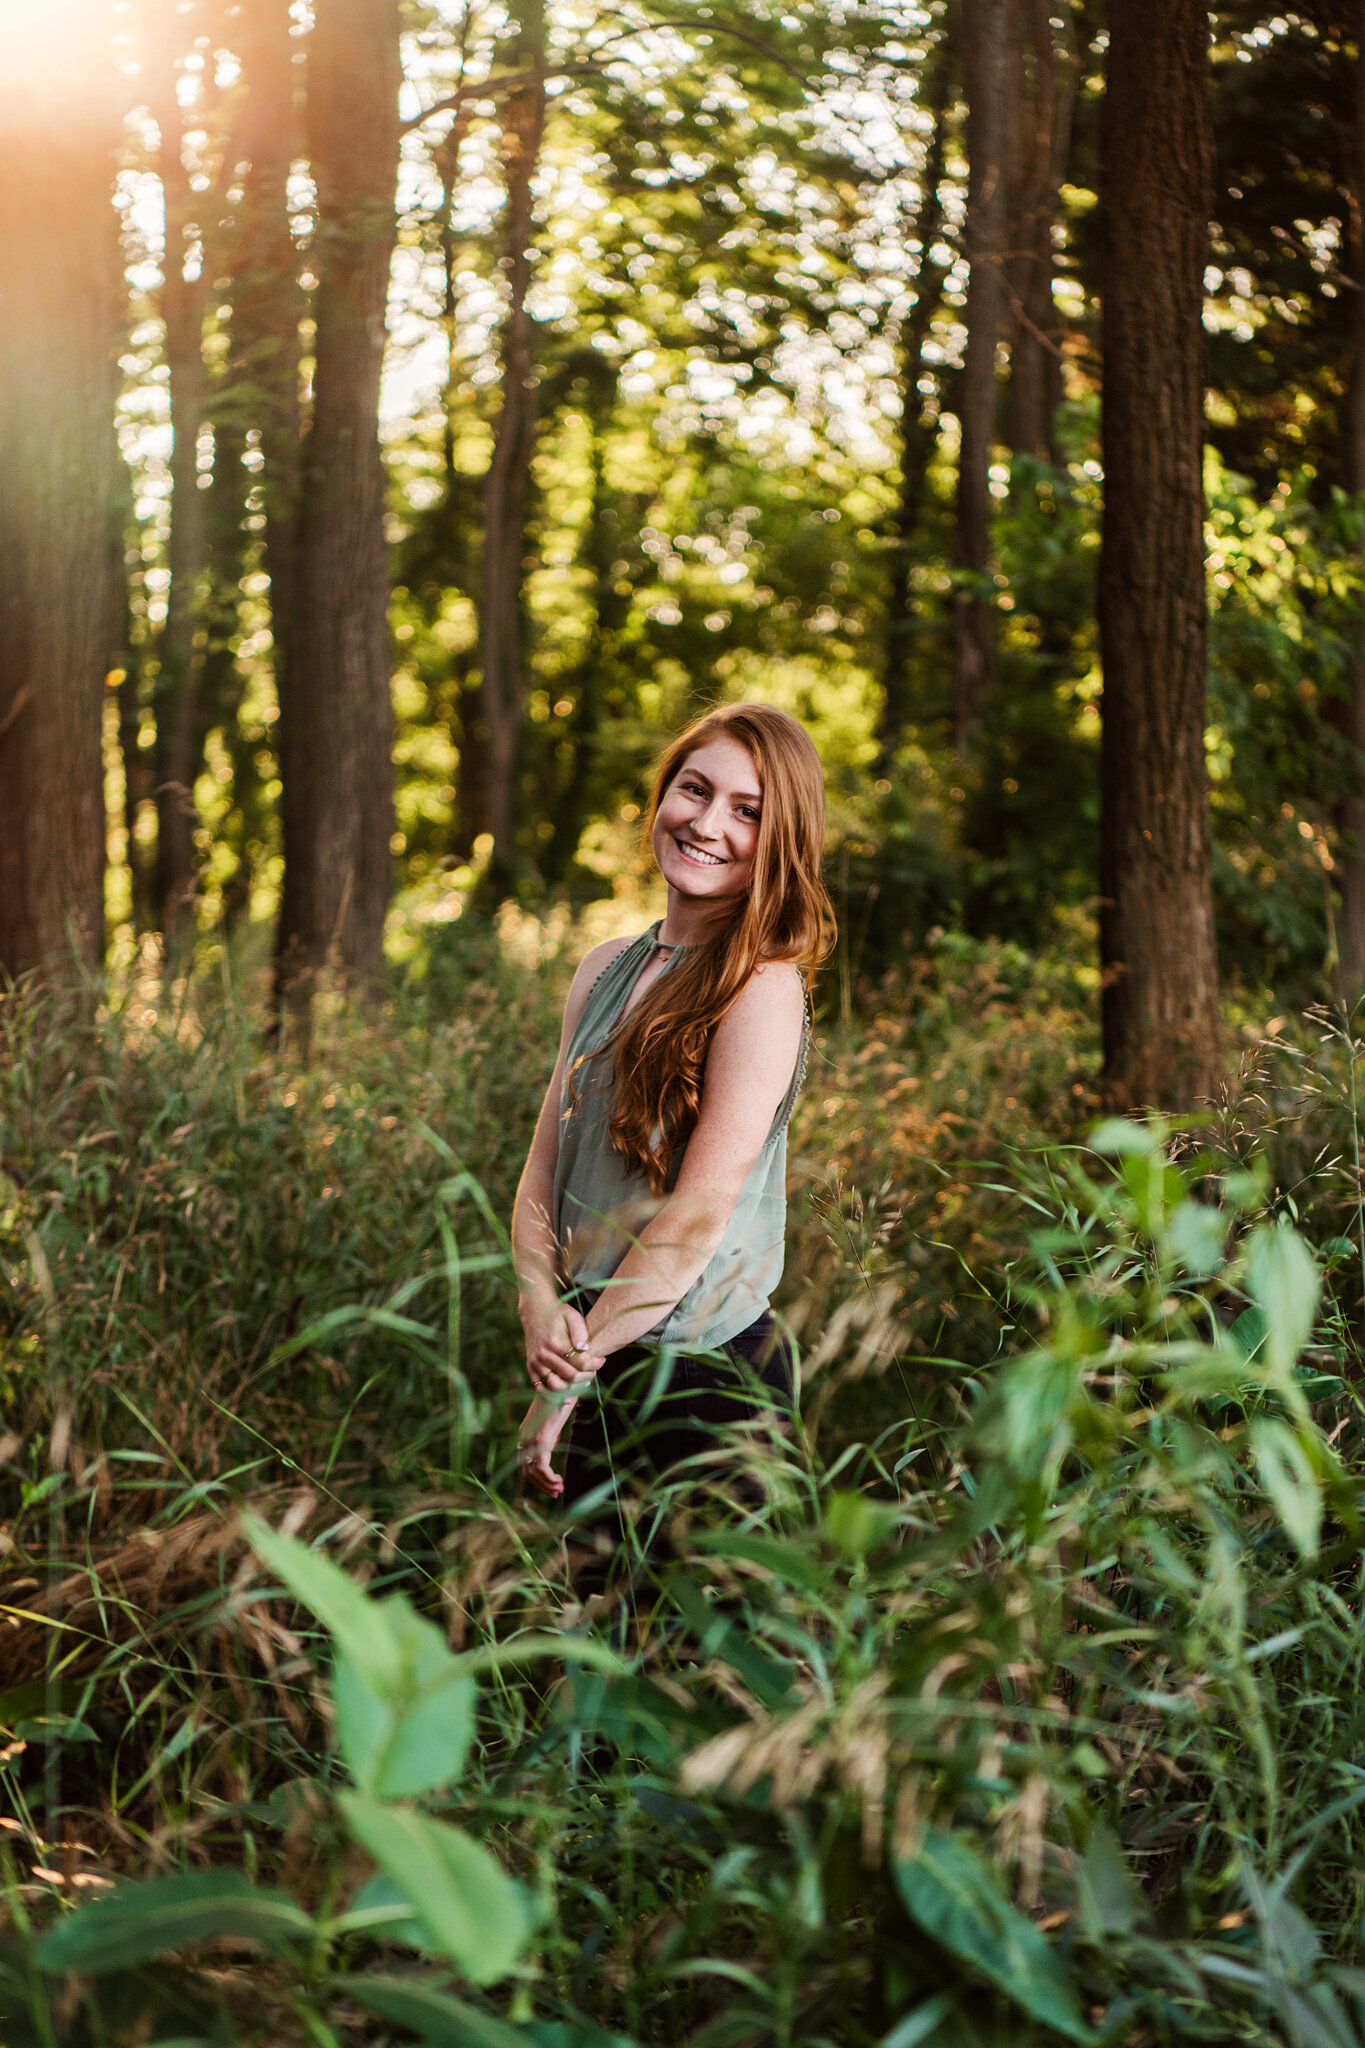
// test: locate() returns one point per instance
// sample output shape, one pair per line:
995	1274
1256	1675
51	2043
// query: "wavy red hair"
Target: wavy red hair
659	1053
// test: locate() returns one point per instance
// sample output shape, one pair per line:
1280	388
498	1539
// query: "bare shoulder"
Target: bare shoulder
772	1001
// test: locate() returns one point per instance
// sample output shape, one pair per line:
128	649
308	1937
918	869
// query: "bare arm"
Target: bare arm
748	1070
535	1251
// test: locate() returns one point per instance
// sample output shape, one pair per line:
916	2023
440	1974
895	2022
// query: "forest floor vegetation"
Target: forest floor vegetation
1016	1700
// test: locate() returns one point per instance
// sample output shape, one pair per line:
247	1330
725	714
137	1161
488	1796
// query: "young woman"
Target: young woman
652	1209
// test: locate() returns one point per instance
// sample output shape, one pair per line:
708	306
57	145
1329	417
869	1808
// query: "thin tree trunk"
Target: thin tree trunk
336	717
469	731
600	548
1351	712
918	425
268	301
503	690
1159	980
60	319
983	30
1043	102
183	302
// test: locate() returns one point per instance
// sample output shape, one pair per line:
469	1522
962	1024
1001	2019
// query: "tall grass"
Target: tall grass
1014	1696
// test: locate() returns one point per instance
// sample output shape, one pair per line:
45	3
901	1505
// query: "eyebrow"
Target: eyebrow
740	796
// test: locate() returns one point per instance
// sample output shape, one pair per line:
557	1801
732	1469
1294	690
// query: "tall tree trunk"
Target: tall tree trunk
60	318
1160	981
183	301
1351	712
503	690
268	301
918	424
1043	101
336	716
982	30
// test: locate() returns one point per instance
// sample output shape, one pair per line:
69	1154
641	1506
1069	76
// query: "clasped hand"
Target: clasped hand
559	1360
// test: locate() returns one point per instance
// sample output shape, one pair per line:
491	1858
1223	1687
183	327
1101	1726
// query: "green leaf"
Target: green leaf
948	1889
1118	1135
404	1704
1195	1235
417	1740
380	1910
139	1921
1288	1477
1110	1901
444	2021
360	1625
460	1893
855	1525
1284	1284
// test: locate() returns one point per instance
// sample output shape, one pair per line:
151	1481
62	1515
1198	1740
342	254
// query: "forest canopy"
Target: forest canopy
495	387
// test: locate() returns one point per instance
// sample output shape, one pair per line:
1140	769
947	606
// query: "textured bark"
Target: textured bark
1045	90
60	308
1160	985
983	28
1351	710
918	424
267	298
183	302
336	717
503	689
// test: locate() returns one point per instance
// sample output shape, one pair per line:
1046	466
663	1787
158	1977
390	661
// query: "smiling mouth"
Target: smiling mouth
696	855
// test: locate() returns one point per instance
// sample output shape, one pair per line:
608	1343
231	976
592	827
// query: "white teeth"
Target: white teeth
694	853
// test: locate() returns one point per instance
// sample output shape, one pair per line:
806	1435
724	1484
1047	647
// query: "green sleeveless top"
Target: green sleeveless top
601	1204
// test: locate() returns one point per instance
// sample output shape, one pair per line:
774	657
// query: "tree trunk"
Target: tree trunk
268	301
503	689
183	301
60	320
918	424
983	28
1159	980
336	717
1351	712
1043	101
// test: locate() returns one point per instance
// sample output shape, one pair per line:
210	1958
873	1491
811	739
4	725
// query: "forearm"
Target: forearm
672	1251
535	1253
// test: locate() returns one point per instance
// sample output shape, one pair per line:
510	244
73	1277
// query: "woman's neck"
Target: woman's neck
688	922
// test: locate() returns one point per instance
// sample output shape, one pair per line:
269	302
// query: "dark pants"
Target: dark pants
650	1414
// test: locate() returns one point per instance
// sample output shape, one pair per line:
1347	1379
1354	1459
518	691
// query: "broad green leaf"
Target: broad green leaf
361	1625
1195	1234
1118	1135
1110	1901
855	1525
1249	1331
1288	1477
139	1921
415	1739
381	1910
404	1704
431	2013
460	1893
1284	1283
949	1890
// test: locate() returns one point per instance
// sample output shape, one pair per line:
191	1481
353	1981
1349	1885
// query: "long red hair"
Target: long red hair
659	1053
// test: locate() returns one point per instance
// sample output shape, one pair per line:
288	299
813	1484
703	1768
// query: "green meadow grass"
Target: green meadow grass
1014	1695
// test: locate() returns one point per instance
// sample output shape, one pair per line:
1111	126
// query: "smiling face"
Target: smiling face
706	826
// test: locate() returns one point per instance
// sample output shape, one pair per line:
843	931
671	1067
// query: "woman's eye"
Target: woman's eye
750	815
